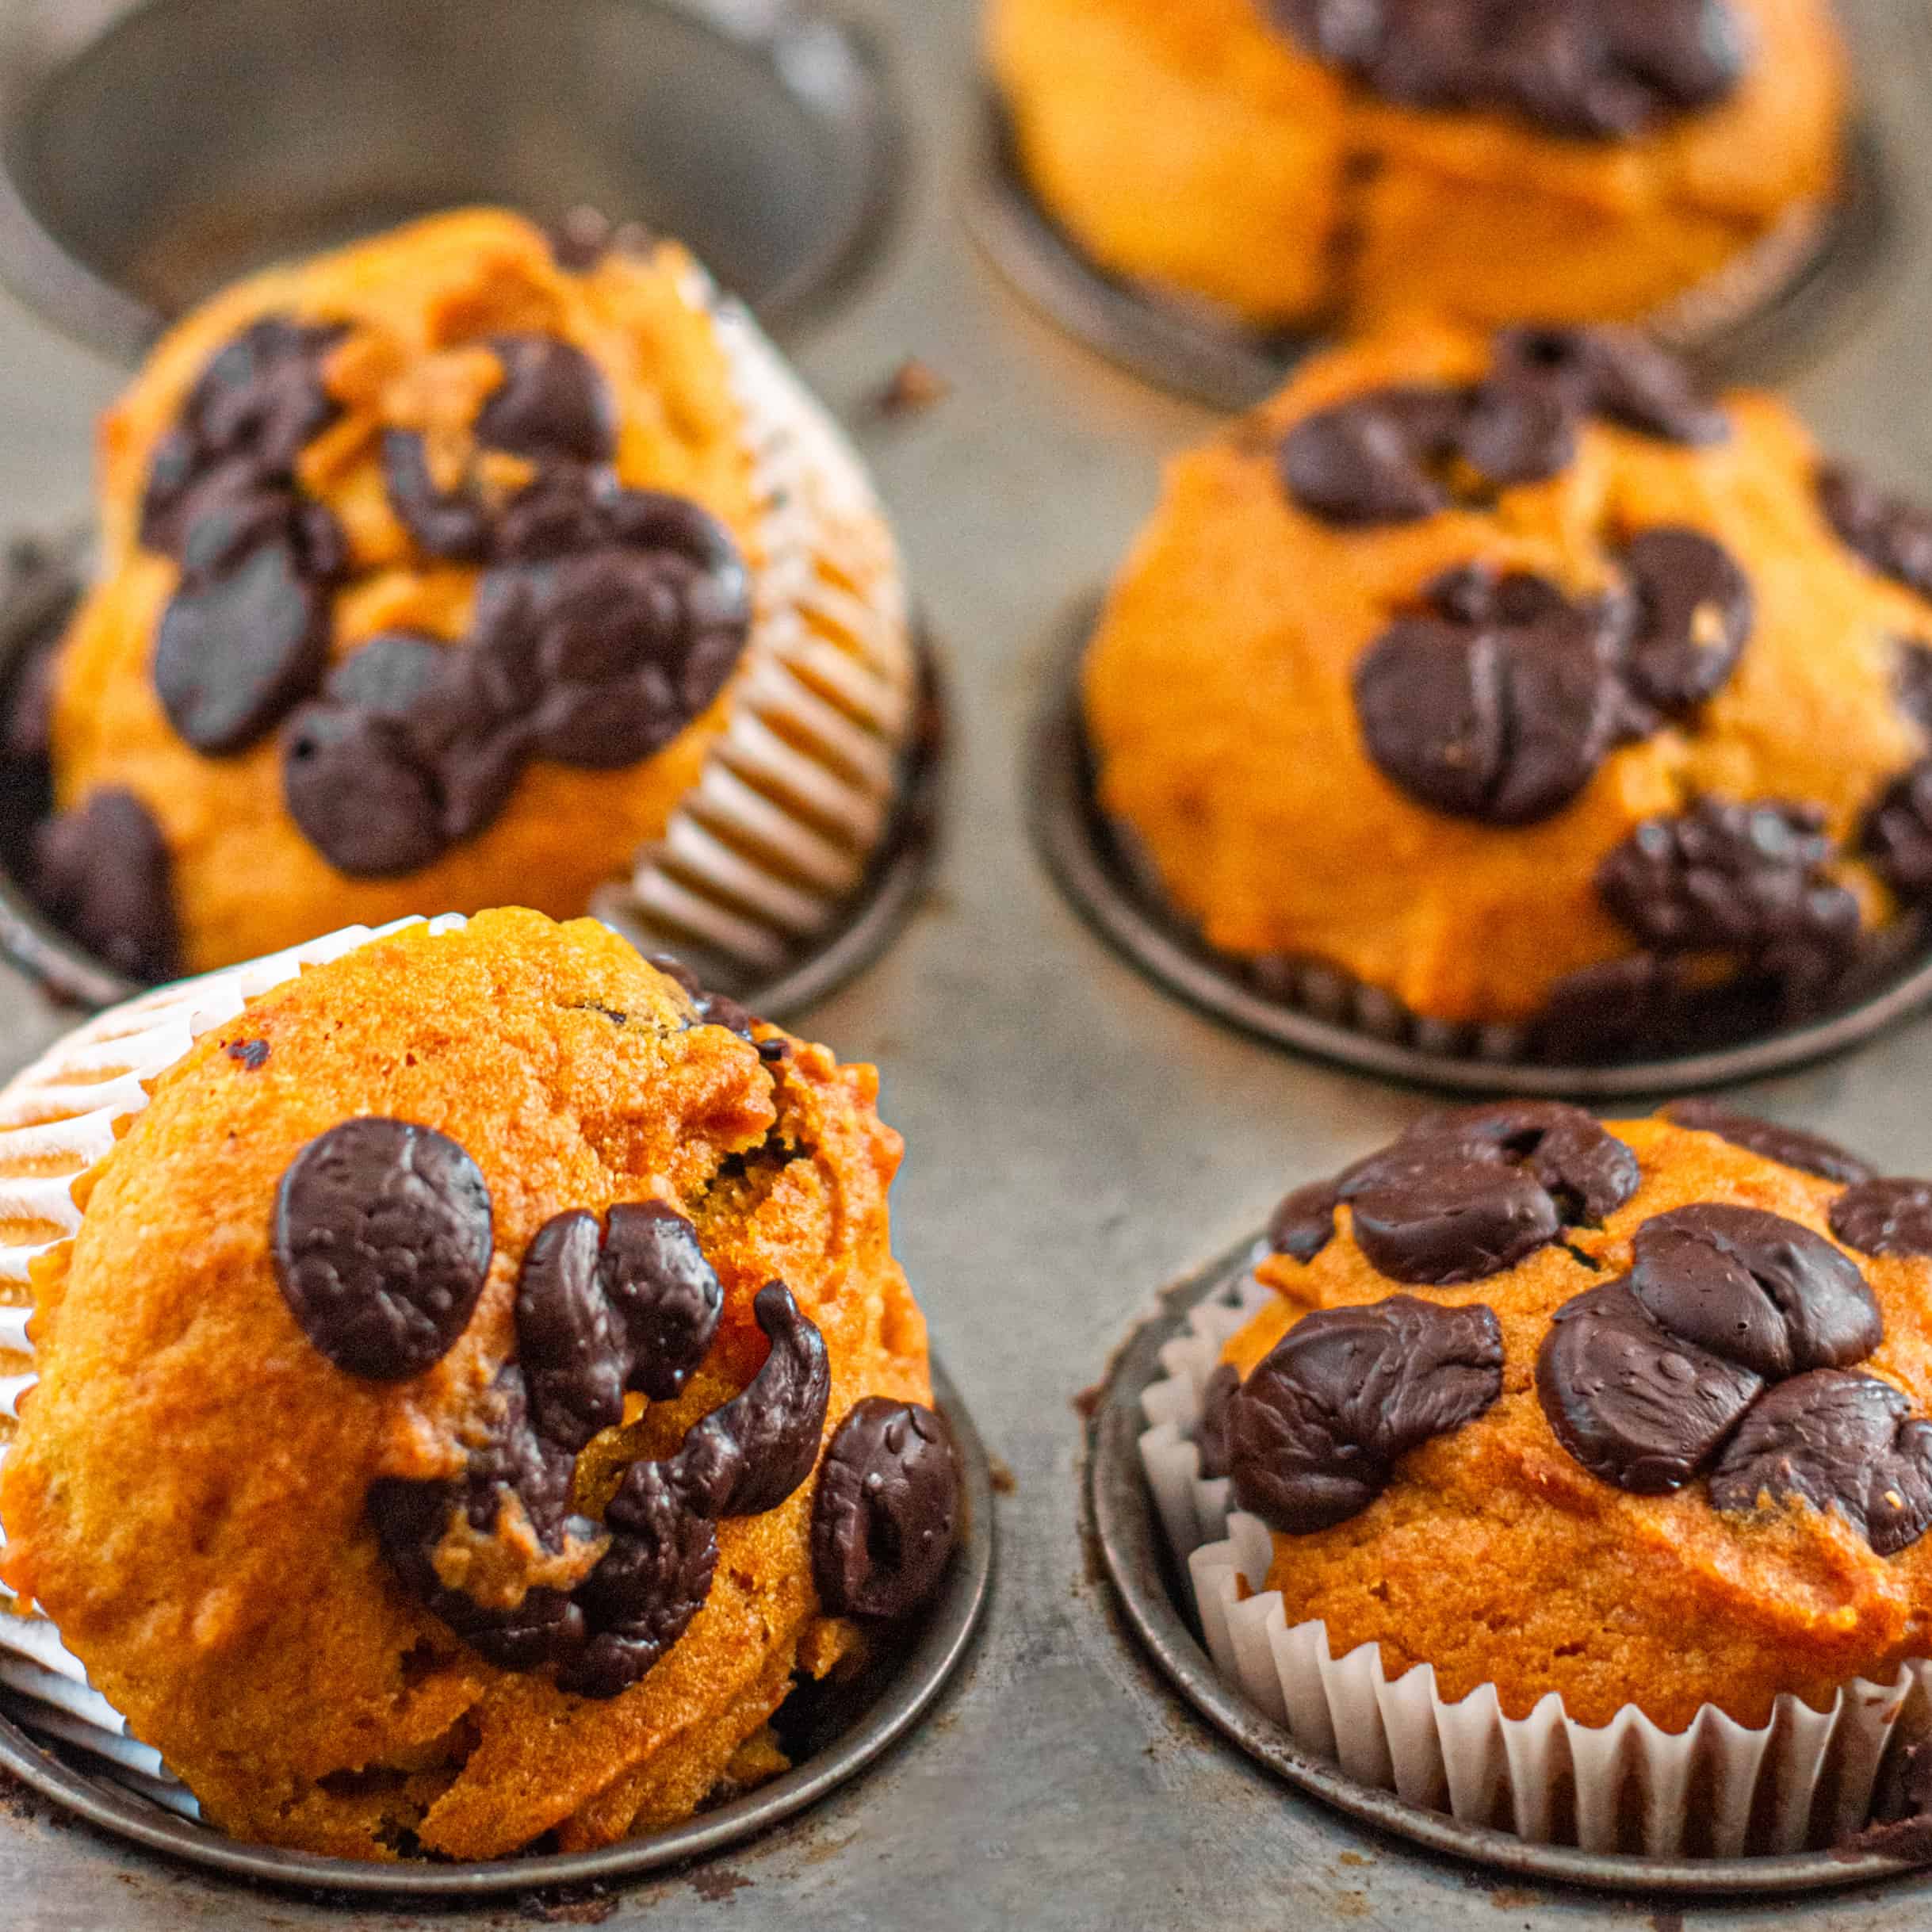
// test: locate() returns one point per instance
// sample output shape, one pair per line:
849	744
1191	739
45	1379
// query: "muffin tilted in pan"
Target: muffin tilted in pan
1301	162
445	571
474	1386
1577	1478
1523	684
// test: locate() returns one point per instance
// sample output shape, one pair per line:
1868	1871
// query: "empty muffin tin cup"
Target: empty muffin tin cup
152	150
1764	314
1123	1522
1316	1009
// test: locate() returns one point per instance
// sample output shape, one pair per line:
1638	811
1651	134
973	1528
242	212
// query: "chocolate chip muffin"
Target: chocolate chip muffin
1636	1414
1523	682
1304	163
474	1387
462	567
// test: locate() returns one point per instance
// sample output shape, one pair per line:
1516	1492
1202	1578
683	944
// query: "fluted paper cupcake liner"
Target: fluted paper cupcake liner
59	1119
797	792
1721	1789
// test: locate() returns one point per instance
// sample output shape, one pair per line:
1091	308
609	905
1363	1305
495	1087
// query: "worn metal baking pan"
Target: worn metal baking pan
151	151
1315	1011
847	1730
1126	1528
1198	351
42	583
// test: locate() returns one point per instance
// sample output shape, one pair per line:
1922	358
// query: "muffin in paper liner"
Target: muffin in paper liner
1719	1789
796	795
59	1119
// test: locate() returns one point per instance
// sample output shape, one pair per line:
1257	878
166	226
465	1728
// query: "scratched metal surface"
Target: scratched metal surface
1075	1139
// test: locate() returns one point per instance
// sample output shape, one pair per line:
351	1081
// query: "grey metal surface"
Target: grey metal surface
1076	1138
1125	1526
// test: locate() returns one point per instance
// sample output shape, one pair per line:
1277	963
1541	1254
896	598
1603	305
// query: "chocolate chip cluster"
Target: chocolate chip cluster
1499	700
382	1242
1398	454
1587	69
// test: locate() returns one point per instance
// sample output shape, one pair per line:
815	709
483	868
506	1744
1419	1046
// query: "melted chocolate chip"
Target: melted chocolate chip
1893	536
749	1457
1761	1292
251	1056
1467	1193
1619	375
1696	609
1499	711
553	403
664	1293
645	1590
714	1009
1811	1154
1885	1216
1751	880
886	1513
595	660
1897	834
1316	1430
1837	1441
1378	458
1211	1435
1636	1405
382	1243
1593	70
101	873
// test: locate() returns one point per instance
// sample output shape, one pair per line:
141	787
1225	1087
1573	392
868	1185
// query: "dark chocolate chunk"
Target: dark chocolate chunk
353	786
1585	70
1315	1431
1885	1216
1837	1441
1211	1436
1619	375
1758	1289
1696	614
1377	458
1749	880
1892	535
457	524
382	1243
1811	1154
887	1512
646	1589
251	1055
663	1293
101	873
567	1336
1897	834
714	1009
1499	711
1467	1193
239	646
553	403
749	1455
1636	1405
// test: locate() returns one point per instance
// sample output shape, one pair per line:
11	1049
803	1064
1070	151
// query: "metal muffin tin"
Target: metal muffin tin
1126	1528
1200	351
151	151
42	585
865	1721
1315	1010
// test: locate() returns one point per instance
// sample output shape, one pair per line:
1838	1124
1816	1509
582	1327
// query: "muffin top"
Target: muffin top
425	567
427	1447
1519	678
1634	1414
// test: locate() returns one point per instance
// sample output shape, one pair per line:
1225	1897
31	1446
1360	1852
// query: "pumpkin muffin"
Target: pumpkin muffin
1634	1414
1312	165
1520	681
475	1386
465	565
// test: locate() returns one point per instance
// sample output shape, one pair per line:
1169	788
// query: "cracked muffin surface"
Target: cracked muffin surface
221	1485
1508	676
1683	1563
1301	169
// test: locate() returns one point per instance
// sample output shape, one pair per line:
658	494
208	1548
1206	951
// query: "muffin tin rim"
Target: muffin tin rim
945	1634
1118	1515
895	876
1191	349
88	307
1070	837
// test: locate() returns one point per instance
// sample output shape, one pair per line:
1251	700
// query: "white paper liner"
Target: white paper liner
1720	1789
58	1120
796	793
